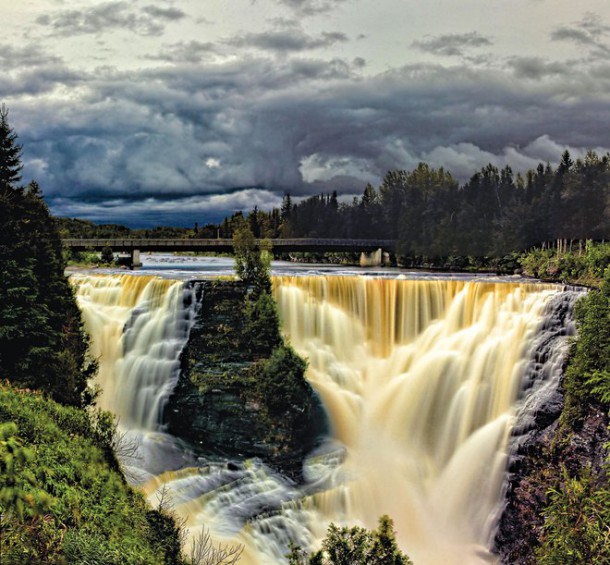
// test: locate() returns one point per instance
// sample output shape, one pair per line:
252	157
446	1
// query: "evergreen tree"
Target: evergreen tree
10	153
42	342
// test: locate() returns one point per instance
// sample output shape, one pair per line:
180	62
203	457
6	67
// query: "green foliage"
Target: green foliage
585	266
355	546
16	481
252	261
261	331
68	502
577	524
107	256
282	385
10	153
588	372
253	266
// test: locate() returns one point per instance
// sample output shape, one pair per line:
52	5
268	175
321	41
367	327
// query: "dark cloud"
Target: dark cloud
590	32
287	40
37	81
112	15
452	45
152	211
537	68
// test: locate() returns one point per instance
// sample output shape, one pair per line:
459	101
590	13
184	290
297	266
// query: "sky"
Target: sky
171	112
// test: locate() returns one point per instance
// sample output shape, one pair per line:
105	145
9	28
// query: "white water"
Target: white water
420	380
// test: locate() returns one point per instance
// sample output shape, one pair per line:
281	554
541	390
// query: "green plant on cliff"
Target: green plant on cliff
587	377
576	526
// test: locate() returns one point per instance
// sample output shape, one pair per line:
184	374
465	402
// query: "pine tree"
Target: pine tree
42	341
10	153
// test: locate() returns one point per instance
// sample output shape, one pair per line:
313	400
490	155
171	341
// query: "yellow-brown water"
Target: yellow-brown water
137	330
420	380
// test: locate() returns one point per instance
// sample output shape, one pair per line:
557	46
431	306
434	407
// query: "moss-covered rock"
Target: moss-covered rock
238	397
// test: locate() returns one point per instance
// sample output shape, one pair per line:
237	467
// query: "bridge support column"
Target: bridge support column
135	260
372	259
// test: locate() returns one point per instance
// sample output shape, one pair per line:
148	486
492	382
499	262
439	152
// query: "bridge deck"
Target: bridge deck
224	245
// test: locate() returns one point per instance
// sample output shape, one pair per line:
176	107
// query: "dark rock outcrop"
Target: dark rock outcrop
217	406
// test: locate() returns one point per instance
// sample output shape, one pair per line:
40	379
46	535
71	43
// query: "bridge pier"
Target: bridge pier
135	262
373	259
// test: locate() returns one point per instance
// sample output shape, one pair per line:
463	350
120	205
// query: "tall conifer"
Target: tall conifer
10	153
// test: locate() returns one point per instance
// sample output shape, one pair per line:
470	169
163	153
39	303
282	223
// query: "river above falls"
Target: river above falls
188	267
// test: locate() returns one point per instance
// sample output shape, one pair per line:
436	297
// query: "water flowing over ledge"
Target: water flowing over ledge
421	381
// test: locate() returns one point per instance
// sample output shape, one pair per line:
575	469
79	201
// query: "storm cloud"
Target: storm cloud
203	125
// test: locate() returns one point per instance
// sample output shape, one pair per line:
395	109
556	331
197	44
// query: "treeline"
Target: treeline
494	213
431	215
42	342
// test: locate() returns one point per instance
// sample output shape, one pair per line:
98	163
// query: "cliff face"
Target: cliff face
219	405
538	467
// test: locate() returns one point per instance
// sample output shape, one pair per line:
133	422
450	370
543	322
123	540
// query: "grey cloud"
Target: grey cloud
169	14
287	40
27	56
536	68
108	16
186	52
589	32
38	81
452	45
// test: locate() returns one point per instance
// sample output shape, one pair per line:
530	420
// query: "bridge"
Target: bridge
135	246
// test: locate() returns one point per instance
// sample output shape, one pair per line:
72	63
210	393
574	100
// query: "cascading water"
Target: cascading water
421	380
138	326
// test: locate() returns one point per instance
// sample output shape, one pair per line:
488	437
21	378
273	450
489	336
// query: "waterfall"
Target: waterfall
138	327
422	381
